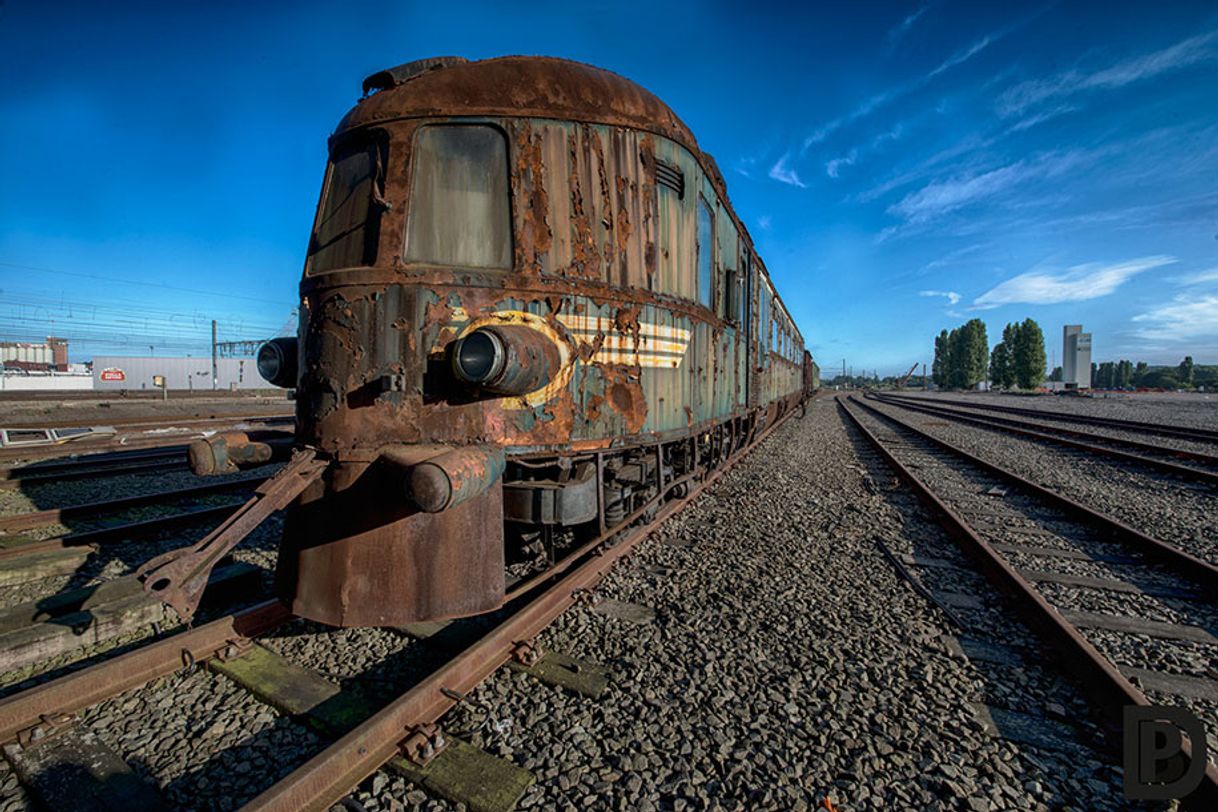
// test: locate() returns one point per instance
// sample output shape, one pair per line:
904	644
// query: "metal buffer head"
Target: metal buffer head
232	451
505	360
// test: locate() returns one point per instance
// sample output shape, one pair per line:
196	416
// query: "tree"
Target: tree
976	353
1185	371
1139	372
1056	375
1000	365
1161	378
1125	374
938	369
1029	354
1106	377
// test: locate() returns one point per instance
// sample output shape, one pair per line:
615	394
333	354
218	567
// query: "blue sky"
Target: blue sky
902	166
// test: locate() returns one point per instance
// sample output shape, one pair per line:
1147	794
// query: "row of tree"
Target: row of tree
1128	375
963	358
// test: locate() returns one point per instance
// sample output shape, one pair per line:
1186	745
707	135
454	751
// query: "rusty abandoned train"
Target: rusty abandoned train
529	315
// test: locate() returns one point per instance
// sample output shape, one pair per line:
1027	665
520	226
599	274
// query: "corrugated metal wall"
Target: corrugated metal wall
180	373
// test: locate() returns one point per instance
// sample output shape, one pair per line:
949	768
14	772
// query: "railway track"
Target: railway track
408	723
1190	433
135	434
1125	612
1166	459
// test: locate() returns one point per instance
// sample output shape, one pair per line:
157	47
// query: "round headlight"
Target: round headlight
276	362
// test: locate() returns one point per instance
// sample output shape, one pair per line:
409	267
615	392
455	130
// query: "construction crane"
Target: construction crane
905	377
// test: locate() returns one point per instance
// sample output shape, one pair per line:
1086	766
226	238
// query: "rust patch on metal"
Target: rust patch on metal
624	394
534	236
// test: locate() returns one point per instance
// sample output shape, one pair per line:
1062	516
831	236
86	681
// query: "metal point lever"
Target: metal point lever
179	577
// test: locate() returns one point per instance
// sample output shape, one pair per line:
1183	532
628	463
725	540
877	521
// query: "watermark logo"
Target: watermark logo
1156	767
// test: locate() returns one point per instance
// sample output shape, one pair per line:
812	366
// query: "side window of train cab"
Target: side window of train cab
706	253
460	209
349	218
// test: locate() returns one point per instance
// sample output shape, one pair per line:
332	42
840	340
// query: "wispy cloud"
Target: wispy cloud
1076	284
833	167
765	222
951	295
960	57
1198	278
902	28
1186	317
784	174
942	197
873	103
1025	95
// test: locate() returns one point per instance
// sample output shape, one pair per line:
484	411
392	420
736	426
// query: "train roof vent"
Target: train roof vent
386	79
672	177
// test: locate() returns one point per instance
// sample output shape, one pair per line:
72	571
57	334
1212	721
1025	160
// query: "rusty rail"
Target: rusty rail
1163	429
331	774
1087	664
120	532
41	518
1063	437
1188	565
89	686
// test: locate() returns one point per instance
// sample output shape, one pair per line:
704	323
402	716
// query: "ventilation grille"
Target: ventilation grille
672	177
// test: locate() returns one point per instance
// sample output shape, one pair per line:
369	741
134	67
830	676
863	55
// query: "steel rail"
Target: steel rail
95	472
1167	430
119	532
1088	665
1190	566
331	774
94	460
1025	430
154	422
95	684
41	518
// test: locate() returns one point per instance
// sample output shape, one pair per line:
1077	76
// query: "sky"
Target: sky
902	167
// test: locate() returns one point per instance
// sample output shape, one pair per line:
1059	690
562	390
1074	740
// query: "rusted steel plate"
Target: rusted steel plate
89	686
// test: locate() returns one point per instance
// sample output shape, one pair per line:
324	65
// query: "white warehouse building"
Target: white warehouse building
137	372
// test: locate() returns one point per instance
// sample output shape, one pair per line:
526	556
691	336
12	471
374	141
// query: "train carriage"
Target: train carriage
529	315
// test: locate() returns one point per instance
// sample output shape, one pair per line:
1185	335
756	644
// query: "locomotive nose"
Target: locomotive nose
505	359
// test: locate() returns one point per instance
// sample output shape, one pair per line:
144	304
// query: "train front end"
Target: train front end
409	348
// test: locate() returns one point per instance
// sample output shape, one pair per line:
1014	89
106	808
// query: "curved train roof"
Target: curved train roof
529	87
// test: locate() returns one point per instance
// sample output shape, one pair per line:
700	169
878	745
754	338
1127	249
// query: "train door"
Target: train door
746	328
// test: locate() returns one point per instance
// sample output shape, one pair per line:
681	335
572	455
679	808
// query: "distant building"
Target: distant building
136	372
1076	357
49	357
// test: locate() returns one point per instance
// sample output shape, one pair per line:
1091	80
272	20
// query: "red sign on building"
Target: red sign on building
113	374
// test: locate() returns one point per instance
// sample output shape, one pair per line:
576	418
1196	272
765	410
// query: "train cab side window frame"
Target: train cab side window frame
460	212
347	230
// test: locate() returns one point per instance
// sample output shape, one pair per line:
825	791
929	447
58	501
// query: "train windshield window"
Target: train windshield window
459	204
706	253
349	221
